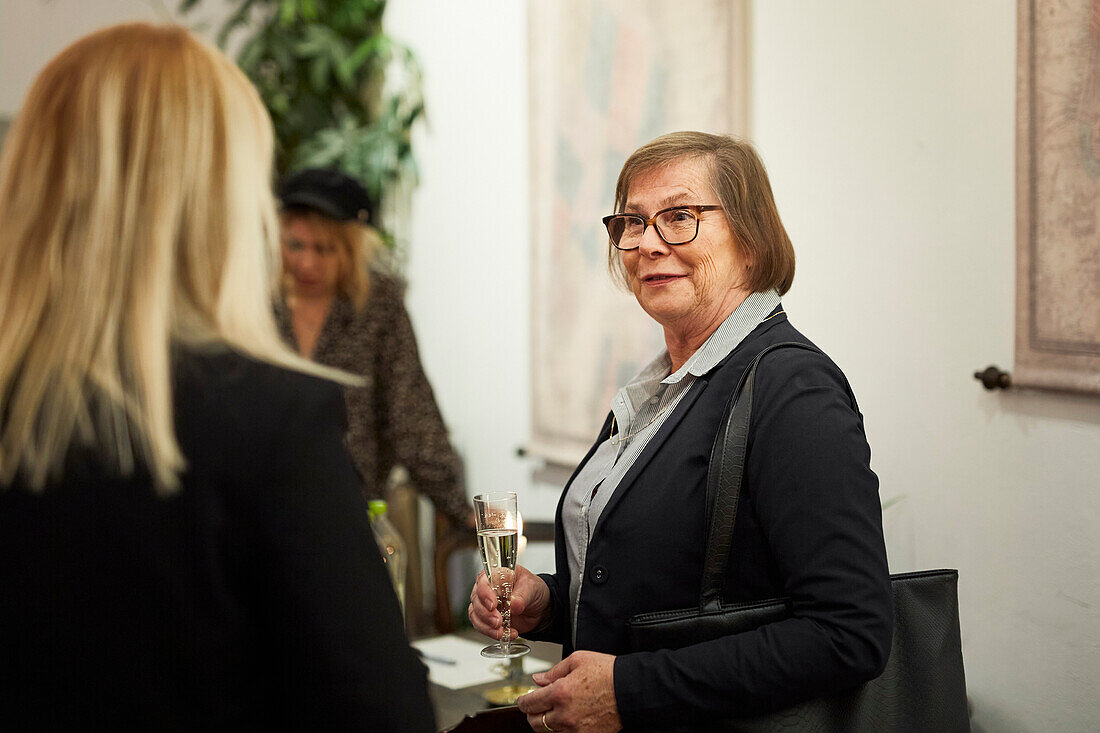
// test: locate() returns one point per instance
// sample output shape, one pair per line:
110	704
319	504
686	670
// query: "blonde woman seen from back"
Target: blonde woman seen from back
183	541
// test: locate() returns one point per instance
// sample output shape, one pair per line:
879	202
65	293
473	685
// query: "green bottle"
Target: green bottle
391	546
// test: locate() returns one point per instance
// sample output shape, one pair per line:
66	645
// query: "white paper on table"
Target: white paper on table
469	668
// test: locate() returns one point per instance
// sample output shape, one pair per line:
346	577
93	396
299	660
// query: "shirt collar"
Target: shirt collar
739	324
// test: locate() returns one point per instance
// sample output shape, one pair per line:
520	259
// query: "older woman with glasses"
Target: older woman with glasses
699	242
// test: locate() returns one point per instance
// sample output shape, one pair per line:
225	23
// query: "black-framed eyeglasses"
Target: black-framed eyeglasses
674	225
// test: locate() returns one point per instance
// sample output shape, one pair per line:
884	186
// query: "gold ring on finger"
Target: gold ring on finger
546	725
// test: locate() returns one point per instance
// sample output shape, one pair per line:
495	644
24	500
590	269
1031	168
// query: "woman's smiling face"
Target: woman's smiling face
687	288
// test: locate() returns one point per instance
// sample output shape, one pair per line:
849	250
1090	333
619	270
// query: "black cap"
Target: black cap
328	191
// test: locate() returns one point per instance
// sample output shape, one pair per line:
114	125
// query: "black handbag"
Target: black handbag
922	688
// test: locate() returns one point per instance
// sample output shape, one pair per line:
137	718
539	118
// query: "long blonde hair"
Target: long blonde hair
136	214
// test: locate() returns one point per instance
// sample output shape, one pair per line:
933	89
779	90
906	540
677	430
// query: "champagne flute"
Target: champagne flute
498	539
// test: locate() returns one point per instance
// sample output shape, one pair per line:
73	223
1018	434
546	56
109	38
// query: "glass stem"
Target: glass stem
505	607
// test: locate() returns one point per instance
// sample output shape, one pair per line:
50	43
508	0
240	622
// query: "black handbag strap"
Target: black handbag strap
727	464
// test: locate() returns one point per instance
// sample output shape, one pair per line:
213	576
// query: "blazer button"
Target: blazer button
598	574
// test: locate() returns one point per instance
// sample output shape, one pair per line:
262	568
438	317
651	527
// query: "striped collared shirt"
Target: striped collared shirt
639	410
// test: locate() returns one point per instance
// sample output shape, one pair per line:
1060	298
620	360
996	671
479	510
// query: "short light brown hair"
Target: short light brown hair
356	245
739	179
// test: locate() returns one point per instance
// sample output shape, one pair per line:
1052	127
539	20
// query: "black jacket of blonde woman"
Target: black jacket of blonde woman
254	598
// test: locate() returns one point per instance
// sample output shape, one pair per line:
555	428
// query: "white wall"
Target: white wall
33	31
468	245
888	129
888	132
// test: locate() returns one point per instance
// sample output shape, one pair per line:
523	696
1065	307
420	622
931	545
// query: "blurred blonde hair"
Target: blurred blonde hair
356	246
136	214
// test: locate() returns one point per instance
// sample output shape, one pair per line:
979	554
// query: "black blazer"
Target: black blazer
254	598
808	526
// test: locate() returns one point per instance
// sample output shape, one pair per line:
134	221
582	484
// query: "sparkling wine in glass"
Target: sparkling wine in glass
498	539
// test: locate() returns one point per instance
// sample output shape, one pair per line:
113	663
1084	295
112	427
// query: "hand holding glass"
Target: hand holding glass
498	539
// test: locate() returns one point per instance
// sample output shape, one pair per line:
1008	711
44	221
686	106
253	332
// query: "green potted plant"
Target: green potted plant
341	93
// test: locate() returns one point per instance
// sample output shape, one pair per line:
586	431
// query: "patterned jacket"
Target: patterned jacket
393	419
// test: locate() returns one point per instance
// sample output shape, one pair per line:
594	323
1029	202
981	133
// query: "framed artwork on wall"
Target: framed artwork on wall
1058	195
607	76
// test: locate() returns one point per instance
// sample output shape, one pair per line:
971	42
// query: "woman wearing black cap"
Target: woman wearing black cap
338	310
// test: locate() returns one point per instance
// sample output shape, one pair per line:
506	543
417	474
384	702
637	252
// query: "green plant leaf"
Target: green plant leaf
354	61
239	18
321	68
308	9
250	54
288	12
314	41
318	72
